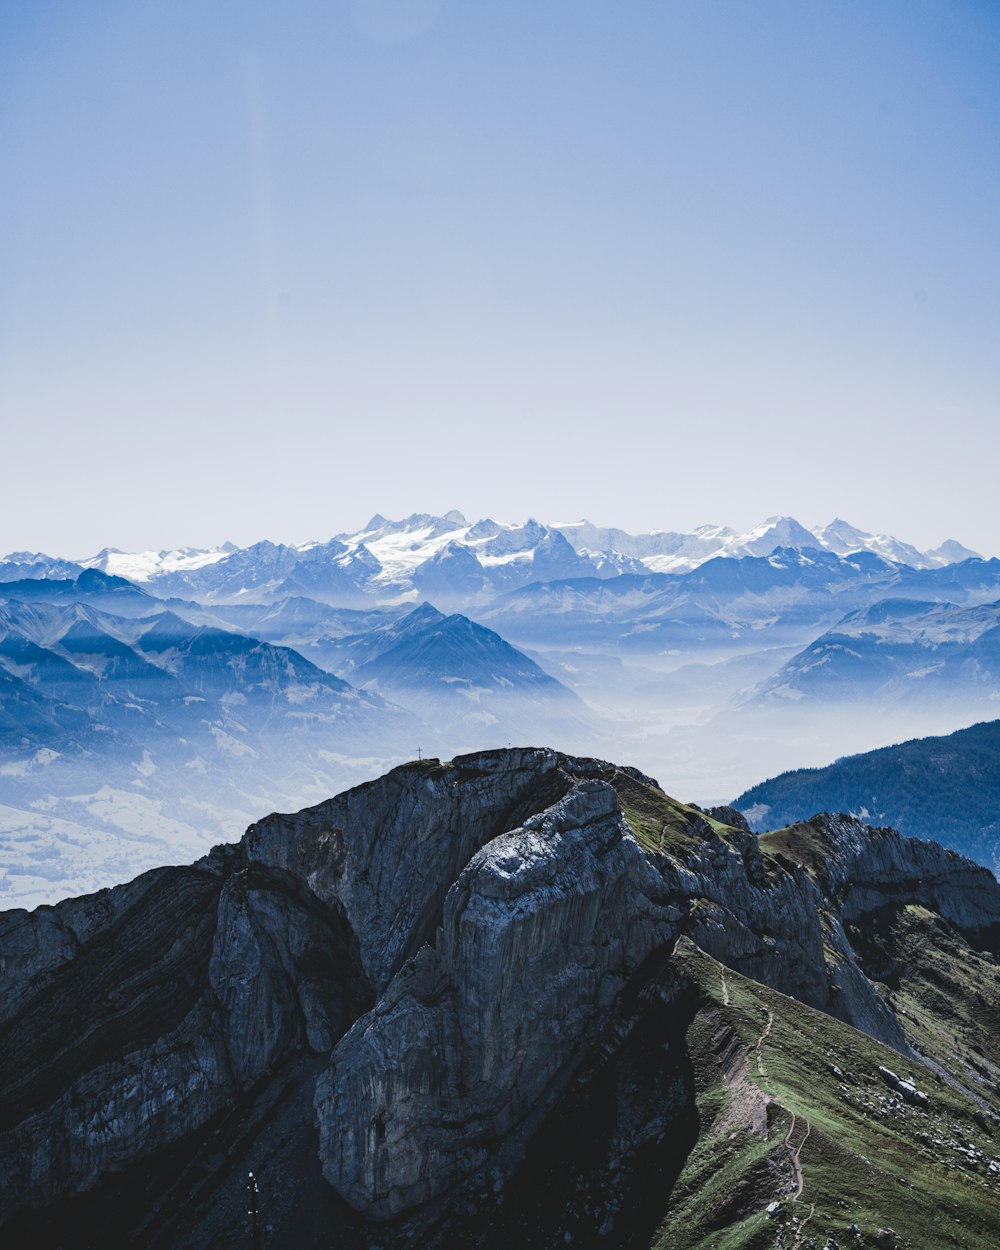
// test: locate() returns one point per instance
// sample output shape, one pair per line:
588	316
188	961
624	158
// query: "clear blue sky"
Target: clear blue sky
266	268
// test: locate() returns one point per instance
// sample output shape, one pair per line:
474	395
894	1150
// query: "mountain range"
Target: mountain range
524	997
945	788
899	651
140	718
517	999
448	555
451	668
126	741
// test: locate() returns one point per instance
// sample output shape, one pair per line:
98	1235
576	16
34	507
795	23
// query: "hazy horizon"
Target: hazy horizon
268	270
298	540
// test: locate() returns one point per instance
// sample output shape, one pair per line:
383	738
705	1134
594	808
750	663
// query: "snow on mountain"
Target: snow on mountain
841	537
776	531
224	703
899	651
952	552
451	559
661	551
22	565
401	546
143	566
844	538
664	551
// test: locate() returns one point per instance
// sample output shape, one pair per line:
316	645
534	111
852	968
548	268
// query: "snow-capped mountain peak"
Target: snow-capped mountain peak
776	531
451	558
144	566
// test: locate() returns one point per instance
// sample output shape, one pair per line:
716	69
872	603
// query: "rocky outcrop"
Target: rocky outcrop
133	1018
107	1036
766	918
479	1034
440	962
866	868
388	852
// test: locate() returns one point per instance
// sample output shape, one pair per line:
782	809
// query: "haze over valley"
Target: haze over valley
156	703
598	846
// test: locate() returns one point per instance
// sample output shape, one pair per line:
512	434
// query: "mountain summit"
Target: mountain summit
520	999
387	558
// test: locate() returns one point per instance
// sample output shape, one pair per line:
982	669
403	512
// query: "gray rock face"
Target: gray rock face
868	868
134	1017
760	921
773	924
107	1038
478	1035
387	853
449	946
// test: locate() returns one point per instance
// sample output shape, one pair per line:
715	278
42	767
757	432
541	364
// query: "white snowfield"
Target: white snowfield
143	566
400	551
402	547
146	737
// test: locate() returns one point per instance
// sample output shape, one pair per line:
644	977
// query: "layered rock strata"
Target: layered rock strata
458	949
477	1036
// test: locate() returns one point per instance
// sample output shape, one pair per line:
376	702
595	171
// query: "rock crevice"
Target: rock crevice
460	948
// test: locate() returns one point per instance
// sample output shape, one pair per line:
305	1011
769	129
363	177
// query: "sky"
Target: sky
269	268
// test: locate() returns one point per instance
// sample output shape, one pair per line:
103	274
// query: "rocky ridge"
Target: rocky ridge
445	962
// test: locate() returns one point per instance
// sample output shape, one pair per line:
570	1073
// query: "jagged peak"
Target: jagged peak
425	611
29	557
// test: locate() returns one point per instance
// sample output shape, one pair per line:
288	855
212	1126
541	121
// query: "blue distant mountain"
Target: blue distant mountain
116	594
788	595
454	672
427	650
167	672
146	727
189	689
945	788
899	651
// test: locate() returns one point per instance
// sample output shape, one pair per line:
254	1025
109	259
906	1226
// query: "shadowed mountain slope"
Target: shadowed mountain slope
899	651
129	742
429	651
945	788
518	999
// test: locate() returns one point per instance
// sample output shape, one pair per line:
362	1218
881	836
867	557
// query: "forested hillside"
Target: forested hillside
945	788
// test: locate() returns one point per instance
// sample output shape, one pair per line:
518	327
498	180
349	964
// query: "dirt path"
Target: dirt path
795	1152
725	987
796	1155
798	1231
797	1158
761	1069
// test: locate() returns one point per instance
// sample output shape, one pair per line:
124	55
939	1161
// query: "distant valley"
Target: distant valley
155	703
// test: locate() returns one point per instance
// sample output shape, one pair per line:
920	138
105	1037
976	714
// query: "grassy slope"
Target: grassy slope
659	822
802	843
946	788
945	992
867	1160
